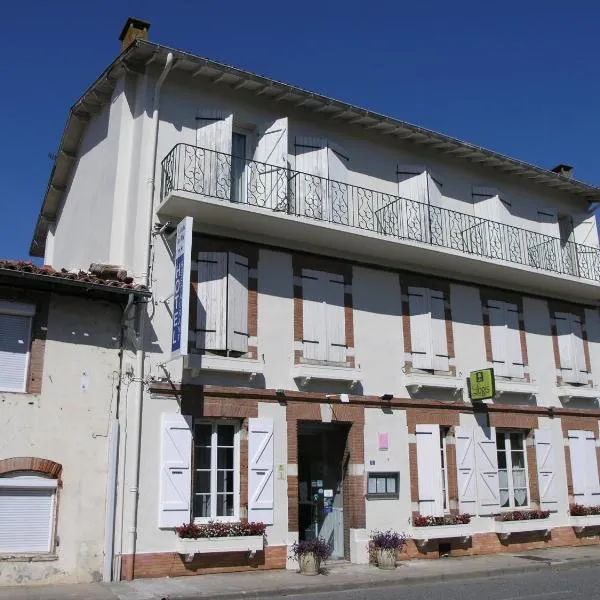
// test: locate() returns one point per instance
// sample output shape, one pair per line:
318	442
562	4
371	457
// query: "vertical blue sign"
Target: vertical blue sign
181	296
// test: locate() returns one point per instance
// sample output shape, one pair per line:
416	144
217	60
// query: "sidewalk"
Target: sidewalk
341	576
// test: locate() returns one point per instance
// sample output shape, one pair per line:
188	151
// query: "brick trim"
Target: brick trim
31	463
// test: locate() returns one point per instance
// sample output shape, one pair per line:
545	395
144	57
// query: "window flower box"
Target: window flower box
189	547
521	521
584	516
427	528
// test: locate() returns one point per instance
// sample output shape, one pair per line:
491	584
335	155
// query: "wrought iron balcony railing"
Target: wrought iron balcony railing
215	174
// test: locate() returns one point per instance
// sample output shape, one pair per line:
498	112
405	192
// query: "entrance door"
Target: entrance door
321	472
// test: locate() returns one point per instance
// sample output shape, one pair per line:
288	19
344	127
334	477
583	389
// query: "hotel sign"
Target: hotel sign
181	295
482	384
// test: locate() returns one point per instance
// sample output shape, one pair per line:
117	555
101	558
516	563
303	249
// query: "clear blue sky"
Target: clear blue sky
521	78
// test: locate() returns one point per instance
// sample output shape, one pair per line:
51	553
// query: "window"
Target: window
512	469
324	316
429	347
238	166
507	356
222	317
569	331
444	463
15	340
382	485
27	513
216	470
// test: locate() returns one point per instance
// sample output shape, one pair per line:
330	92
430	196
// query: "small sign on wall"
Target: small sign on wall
181	295
382	440
482	384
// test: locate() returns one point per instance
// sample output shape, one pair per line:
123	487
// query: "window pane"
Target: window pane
225	458
391	485
202	434
519	480
225	435
202	458
502	460
520	497
516	441
381	485
225	505
503	479
500	441
372	485
504	498
518	460
202	505
225	481
202	482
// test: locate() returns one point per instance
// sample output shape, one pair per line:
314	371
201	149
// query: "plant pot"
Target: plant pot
310	564
386	558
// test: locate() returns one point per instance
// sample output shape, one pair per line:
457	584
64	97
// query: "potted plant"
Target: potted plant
519	521
310	553
386	545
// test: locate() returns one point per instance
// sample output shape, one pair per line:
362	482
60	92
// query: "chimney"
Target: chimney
133	29
564	170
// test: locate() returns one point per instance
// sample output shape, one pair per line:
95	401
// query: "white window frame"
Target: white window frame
213	471
506	433
19	309
444	457
34	480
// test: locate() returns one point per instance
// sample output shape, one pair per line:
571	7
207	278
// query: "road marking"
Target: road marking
542	595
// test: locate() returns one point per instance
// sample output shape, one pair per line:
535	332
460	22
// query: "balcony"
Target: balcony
228	192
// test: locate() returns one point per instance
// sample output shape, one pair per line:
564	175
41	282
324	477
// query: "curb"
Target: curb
341	586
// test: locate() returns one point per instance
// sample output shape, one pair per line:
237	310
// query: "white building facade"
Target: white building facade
348	271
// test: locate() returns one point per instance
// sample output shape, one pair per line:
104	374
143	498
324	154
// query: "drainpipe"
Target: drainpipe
136	425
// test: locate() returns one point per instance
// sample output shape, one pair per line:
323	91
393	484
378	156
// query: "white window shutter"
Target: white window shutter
412	183
429	470
15	332
420	328
314	326
577	454
260	470
514	354
578	353
237	303
546	467
486	458
310	183
488	205
497	320
337	168
212	301
592	481
335	318
434	189
439	342
466	474
175	470
565	347
414	204
214	129
270	169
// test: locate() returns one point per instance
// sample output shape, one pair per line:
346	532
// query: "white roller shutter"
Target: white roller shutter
314	324
27	508
546	467
486	459
260	470
212	301
269	172
465	470
429	469
175	478
15	332
237	303
420	328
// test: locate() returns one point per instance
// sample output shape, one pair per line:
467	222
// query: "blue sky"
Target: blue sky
521	78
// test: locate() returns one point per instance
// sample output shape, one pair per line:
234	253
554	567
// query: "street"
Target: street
572	584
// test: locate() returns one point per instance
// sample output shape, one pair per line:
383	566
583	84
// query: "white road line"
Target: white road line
542	595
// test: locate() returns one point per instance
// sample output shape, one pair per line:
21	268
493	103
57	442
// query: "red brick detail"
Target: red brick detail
414	473
31	463
438	416
170	564
451	471
532	472
513	421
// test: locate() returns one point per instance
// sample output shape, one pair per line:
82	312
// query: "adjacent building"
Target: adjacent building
347	272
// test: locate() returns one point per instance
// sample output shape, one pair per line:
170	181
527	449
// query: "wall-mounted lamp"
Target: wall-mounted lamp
279	392
387	397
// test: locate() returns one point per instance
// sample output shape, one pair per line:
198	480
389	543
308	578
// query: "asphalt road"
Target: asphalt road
572	584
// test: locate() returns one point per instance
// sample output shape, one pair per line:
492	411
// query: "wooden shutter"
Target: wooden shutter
412	183
439	343
564	331
260	470
488	205
465	470
214	130
429	469
548	222
592	481
486	459
413	207
335	318
212	301
579	466
420	328
577	352
15	332
237	303
514	354
434	189
310	183
314	325
175	470
27	509
338	205
546	467
497	319
270	169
